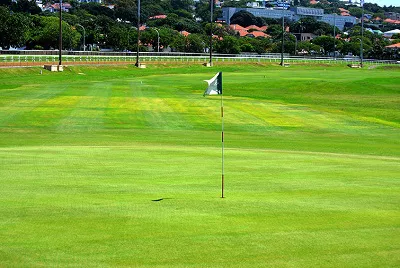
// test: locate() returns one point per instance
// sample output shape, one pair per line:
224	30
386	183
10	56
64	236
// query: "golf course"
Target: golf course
116	166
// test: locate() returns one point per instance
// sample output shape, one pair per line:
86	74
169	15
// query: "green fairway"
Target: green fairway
312	167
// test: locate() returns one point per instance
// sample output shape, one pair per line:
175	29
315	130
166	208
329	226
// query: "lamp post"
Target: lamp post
158	40
84	44
334	36
295	44
211	30
129	29
60	37
283	36
137	64
362	34
361	51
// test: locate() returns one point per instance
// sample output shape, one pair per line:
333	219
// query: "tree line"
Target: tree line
23	24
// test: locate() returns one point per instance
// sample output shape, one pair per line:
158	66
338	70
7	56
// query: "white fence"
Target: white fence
7	60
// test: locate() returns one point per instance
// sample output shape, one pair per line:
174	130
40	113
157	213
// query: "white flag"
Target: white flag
214	85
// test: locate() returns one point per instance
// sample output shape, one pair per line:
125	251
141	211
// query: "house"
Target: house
394	46
392	21
237	27
56	7
249	31
254	27
392	15
257	34
344	12
158	17
307	36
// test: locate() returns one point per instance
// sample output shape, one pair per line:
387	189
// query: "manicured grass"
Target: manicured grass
312	164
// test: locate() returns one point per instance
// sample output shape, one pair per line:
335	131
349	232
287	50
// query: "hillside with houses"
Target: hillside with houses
301	27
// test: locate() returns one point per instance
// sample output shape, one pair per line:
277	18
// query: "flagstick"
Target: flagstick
222	136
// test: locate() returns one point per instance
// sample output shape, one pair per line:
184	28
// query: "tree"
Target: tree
229	45
373	8
356	12
234	3
203	10
26	6
217	29
308	48
289	44
44	33
6	3
188	25
183	14
275	31
182	4
378	50
168	36
14	28
327	43
97	9
244	18
195	43
118	38
310	25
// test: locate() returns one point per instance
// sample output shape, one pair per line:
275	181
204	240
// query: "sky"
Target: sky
384	2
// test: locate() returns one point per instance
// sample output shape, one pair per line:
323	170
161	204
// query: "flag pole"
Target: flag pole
215	88
222	139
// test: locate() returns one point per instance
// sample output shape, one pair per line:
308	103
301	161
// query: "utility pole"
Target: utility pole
137	64
84	44
362	34
211	29
283	36
60	38
158	39
334	35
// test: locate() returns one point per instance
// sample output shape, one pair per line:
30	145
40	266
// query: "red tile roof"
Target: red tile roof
185	33
243	32
217	37
394	46
392	21
236	27
259	34
158	17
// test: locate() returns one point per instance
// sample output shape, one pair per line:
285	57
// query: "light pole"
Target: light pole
60	37
361	52
295	44
283	36
158	40
211	30
334	36
362	34
129	29
137	64
84	44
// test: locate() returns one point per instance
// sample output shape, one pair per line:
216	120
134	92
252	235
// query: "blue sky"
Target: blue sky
384	2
